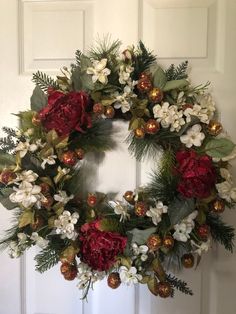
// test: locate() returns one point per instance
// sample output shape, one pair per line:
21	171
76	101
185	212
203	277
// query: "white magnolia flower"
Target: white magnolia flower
24	147
22	238
50	160
41	242
26	194
27	176
62	197
140	251
203	247
129	276
86	274
29	132
14	249
124	73
124	101
226	188
156	212
183	229
99	71
194	136
120	209
169	116
65	224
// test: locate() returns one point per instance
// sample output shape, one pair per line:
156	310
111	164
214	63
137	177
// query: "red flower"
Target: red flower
65	112
99	249
197	173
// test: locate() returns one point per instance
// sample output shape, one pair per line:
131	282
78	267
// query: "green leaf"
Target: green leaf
38	100
6	160
26	119
140	236
4	198
153	285
179	209
26	218
219	147
159	79
175	84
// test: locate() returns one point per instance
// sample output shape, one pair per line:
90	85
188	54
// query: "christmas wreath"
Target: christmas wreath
156	229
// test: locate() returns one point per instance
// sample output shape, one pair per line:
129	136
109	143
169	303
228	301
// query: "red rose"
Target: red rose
197	174
65	112
99	249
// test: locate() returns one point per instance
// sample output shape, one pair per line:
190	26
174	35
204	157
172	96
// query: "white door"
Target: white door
43	34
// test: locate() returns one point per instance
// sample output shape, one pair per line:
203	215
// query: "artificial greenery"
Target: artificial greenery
177	72
179	284
44	81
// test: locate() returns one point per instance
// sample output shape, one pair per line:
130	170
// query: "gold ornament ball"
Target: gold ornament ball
69	158
109	112
155	95
152	126
144	85
168	242
36	120
214	128
218	206
92	200
129	197
113	280
154	242
80	153
140	208
139	133
98	108
187	260
164	289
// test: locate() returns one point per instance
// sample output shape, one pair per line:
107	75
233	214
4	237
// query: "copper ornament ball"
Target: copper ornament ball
113	280
203	232
144	85
7	176
152	126
164	289
144	76
155	95
37	224
71	274
154	242
168	242
80	153
69	158
214	128
218	206
45	188
92	200
47	201
98	108
140	208
129	197
36	120
109	112
187	260
139	133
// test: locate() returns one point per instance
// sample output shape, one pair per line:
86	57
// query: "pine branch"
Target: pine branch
105	48
46	259
220	231
44	81
179	284
9	131
7	144
177	73
78	55
143	60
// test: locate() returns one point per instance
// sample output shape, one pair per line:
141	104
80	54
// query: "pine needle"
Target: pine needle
177	73
179	284
44	81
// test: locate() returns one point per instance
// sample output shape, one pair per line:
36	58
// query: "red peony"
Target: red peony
197	174
99	249
65	112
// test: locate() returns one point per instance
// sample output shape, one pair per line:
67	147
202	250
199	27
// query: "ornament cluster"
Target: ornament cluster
152	230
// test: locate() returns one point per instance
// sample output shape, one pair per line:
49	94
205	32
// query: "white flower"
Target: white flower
124	73
27	194
14	250
169	116
50	160
27	176
120	209
124	100
65	224
62	197
194	136
29	132
226	188
22	238
183	229
99	71
203	247
86	274
24	147
41	242
129	276
156	212
140	251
